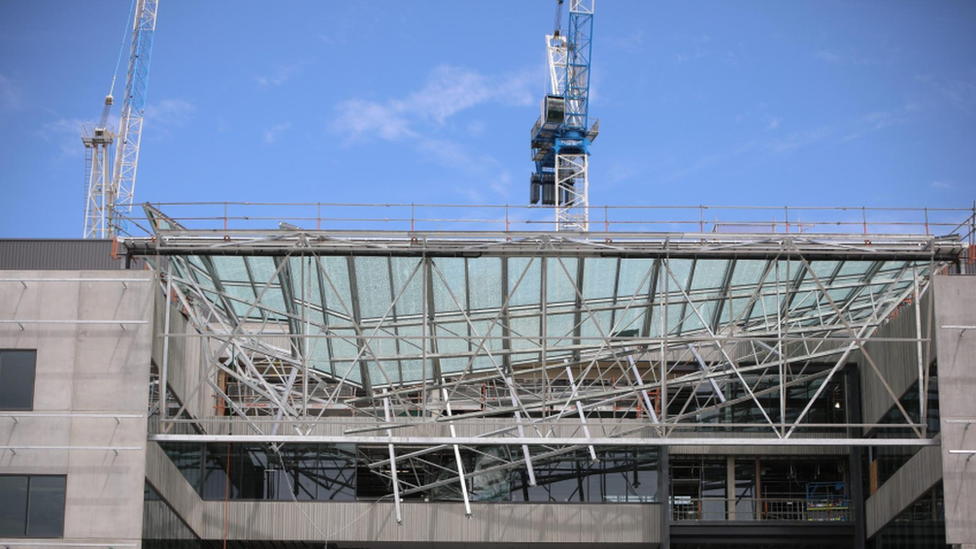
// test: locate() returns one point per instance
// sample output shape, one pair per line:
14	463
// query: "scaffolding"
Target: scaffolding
421	343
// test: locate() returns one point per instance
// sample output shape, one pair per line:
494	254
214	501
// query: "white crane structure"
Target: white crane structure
562	135
109	194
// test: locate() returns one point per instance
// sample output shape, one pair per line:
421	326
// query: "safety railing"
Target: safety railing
603	219
684	509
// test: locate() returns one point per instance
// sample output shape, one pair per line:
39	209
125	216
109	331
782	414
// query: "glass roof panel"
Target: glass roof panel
373	284
411	300
599	277
335	281
748	271
379	278
525	327
529	290
596	326
230	269
634	278
485	280
559	326
561	288
632	319
452	296
823	269
694	323
859	268
680	268
709	274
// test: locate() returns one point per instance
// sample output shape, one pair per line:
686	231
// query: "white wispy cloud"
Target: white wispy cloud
829	134
65	134
357	119
170	112
941	185
11	97
853	57
447	91
278	76
773	123
420	117
630	43
273	133
959	91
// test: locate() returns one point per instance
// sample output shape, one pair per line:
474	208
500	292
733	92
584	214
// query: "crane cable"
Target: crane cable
118	61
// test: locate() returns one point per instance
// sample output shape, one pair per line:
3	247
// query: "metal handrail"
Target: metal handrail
685	509
508	217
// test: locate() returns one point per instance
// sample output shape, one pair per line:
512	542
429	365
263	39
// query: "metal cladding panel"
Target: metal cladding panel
908	484
898	361
170	484
562	523
57	255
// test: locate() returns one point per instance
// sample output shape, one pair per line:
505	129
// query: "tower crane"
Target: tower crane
109	194
561	137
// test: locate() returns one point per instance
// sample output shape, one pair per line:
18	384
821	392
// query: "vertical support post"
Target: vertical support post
521	433
922	396
664	494
582	416
856	461
393	464
730	487
164	373
425	276
457	454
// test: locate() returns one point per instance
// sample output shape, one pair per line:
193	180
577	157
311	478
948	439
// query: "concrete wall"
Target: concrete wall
955	305
83	369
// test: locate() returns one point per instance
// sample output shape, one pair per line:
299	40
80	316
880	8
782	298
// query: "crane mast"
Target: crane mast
110	194
562	135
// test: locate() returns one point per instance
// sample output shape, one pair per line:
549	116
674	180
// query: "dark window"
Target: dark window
17	379
32	506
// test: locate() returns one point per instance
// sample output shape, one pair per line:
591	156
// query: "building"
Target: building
212	386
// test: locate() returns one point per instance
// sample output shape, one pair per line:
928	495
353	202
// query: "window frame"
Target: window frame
64	506
33	386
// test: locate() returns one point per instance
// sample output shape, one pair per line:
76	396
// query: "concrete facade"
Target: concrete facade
91	389
955	306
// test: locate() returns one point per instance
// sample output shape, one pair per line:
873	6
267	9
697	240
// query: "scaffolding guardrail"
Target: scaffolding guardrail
685	509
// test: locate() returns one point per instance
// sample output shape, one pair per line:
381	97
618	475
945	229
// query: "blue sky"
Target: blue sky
758	103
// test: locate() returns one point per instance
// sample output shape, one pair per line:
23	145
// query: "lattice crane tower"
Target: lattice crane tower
109	194
562	135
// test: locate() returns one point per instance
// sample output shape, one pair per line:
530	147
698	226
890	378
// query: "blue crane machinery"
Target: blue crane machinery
109	194
562	135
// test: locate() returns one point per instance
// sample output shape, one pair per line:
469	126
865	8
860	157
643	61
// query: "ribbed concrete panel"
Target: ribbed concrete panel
898	361
908	484
955	305
563	523
159	522
185	360
173	487
52	255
